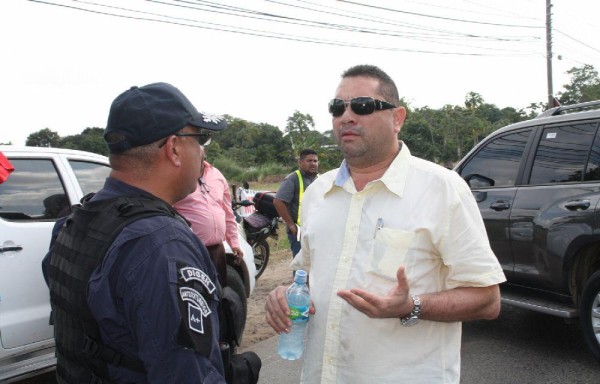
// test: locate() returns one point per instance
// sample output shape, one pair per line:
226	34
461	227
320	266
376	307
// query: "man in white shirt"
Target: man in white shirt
396	251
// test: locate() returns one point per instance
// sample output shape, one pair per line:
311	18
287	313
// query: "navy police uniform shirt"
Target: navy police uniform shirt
155	298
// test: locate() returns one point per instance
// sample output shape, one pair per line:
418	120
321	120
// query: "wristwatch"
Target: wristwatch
413	316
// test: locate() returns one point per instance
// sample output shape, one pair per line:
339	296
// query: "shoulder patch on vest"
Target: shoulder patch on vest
189	273
198	308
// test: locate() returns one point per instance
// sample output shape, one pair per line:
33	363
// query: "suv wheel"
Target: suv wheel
590	314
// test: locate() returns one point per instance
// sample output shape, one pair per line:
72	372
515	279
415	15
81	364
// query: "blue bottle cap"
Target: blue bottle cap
300	276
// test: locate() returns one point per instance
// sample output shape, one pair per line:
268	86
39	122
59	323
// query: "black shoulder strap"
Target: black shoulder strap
114	215
131	209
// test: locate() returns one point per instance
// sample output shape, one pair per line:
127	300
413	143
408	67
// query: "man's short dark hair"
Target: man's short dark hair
387	87
306	152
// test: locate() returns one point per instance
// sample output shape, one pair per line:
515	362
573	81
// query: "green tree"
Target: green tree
584	86
250	144
299	130
423	134
90	139
43	138
473	100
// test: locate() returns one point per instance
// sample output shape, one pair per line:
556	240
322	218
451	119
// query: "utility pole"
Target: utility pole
549	52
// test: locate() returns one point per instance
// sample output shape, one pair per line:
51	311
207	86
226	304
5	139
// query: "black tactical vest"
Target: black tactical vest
78	250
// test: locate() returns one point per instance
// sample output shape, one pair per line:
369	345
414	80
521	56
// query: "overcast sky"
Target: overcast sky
63	62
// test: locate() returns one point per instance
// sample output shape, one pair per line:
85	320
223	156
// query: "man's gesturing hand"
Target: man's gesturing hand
397	303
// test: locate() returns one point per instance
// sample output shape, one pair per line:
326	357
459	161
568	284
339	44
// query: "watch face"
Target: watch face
410	321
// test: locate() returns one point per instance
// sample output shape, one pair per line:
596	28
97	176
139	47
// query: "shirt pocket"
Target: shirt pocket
389	251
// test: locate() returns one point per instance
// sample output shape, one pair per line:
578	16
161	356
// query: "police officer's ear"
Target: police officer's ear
171	149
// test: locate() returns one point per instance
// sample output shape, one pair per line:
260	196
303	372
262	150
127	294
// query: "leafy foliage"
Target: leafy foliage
43	138
254	151
91	140
585	86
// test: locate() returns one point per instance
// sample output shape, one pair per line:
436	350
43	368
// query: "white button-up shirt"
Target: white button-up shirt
419	215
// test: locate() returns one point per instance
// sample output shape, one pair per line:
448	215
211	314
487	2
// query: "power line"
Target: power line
577	41
412	26
440	17
154	17
503	11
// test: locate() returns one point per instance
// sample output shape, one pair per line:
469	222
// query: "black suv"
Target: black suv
537	184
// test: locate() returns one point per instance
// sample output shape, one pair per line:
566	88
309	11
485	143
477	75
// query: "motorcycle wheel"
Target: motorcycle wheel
590	314
261	257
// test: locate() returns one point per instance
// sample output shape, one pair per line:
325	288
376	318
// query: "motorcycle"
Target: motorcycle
257	228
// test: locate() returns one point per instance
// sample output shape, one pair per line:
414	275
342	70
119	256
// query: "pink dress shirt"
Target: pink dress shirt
208	208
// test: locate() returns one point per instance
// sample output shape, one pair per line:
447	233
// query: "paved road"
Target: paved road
526	347
519	347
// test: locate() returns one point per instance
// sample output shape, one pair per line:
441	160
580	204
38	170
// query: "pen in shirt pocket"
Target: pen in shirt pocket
379	226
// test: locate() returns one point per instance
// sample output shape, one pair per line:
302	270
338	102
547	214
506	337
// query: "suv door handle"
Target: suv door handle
500	205
577	205
11	248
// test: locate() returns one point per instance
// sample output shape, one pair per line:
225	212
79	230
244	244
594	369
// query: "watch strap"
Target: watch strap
413	316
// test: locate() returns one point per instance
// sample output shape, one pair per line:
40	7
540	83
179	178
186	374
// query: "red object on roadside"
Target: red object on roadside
6	168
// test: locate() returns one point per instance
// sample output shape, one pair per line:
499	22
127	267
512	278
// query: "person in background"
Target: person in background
396	251
136	301
209	211
288	198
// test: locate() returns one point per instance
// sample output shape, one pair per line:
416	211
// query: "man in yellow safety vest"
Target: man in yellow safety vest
289	195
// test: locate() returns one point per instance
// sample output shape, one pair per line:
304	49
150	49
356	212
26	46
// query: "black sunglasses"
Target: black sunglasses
203	139
363	105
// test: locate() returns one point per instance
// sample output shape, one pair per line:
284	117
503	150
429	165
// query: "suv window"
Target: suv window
497	163
562	154
33	191
90	176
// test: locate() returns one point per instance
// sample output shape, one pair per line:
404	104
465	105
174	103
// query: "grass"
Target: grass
258	186
268	173
282	242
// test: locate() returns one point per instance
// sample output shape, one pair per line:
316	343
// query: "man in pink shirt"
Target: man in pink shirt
209	211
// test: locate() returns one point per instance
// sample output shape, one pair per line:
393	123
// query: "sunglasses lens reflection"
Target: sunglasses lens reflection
363	105
337	107
359	105
204	140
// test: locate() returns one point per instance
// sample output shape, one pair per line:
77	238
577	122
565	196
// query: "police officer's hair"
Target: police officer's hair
137	159
387	87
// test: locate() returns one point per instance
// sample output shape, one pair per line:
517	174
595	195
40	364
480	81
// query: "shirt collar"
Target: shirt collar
114	187
394	177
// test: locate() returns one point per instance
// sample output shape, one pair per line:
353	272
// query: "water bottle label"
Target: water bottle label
299	313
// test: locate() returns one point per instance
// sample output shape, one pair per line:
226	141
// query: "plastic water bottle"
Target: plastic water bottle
298	298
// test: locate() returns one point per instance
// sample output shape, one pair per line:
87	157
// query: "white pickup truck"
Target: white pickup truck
45	183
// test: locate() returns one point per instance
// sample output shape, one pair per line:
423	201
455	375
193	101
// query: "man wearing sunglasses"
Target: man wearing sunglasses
396	250
133	291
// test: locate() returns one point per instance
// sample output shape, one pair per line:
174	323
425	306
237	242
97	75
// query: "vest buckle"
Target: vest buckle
90	347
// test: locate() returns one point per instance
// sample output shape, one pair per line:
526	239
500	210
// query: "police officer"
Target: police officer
133	291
